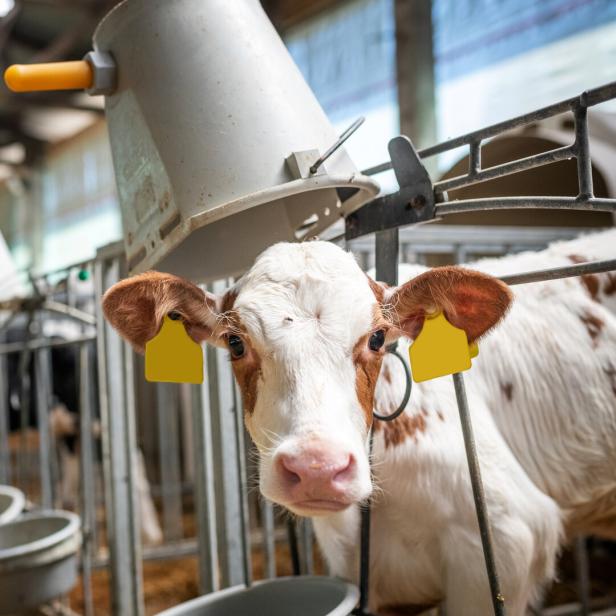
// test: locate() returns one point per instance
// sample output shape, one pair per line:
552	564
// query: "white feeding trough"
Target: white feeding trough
299	596
12	503
38	559
213	132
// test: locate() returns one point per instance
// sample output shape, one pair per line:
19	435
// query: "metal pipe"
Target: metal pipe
42	343
586	99
498	600
267	517
204	488
517	203
554	273
293	547
86	476
582	572
5	452
42	375
476	174
167	405
242	484
584	165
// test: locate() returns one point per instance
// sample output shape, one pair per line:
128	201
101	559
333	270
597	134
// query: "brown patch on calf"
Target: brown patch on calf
590	281
367	369
507	389
247	370
405	426
610	287
378	288
403	609
594	325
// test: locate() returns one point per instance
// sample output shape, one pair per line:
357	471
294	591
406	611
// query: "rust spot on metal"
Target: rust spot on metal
169	226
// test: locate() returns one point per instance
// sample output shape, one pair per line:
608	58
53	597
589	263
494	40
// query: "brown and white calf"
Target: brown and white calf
306	330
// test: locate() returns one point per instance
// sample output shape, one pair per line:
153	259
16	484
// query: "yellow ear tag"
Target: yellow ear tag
172	356
440	349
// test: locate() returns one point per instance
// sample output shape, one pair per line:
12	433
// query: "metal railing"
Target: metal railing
420	200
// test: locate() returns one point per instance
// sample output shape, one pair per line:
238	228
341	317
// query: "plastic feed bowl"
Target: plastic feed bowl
38	559
12	503
299	596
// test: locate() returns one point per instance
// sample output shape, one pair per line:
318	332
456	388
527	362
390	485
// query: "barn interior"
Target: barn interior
190	153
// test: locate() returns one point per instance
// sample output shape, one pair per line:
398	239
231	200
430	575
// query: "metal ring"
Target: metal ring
407	393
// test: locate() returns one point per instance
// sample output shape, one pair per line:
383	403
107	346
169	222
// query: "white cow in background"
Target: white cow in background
306	330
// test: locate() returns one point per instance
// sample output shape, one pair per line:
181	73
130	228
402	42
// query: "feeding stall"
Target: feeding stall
220	149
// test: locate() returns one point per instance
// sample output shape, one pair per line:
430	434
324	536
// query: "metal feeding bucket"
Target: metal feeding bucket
213	133
38	559
12	503
300	596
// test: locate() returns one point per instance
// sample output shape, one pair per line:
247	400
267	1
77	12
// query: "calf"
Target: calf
307	331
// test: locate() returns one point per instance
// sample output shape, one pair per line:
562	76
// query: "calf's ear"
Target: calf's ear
136	307
470	300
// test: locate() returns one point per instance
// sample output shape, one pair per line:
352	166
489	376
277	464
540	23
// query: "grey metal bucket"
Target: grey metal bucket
12	503
38	559
207	108
288	596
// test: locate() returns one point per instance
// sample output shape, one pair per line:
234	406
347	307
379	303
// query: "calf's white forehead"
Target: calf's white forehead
305	288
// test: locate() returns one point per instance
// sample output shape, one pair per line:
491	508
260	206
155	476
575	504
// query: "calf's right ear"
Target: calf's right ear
136	307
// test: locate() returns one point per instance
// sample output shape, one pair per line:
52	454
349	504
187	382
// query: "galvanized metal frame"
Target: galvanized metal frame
418	200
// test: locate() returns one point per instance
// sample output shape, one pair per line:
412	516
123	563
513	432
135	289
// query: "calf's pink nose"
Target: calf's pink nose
317	465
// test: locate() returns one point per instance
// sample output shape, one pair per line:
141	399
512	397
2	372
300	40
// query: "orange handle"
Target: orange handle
75	75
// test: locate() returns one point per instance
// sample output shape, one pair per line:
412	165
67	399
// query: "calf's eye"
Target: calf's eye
236	346
376	340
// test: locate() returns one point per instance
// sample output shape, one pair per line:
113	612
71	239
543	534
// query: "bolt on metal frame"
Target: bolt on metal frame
419	200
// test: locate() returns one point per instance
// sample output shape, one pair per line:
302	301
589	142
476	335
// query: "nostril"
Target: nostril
347	470
287	473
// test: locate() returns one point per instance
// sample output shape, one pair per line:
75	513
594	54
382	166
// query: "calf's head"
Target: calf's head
306	331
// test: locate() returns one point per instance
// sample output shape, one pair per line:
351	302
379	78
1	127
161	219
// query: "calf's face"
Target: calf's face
306	332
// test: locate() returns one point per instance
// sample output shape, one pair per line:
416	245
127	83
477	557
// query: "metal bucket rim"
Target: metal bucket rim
71	528
348	602
16	507
366	185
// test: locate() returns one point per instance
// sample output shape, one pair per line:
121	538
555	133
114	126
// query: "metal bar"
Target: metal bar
242	485
42	375
584	165
124	548
43	343
293	546
474	159
269	545
476	174
130	445
386	256
307	556
554	273
517	203
587	99
582	572
226	478
167	407
204	488
478	494
86	476
5	452
341	139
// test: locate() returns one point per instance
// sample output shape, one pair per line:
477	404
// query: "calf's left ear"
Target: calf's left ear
470	300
